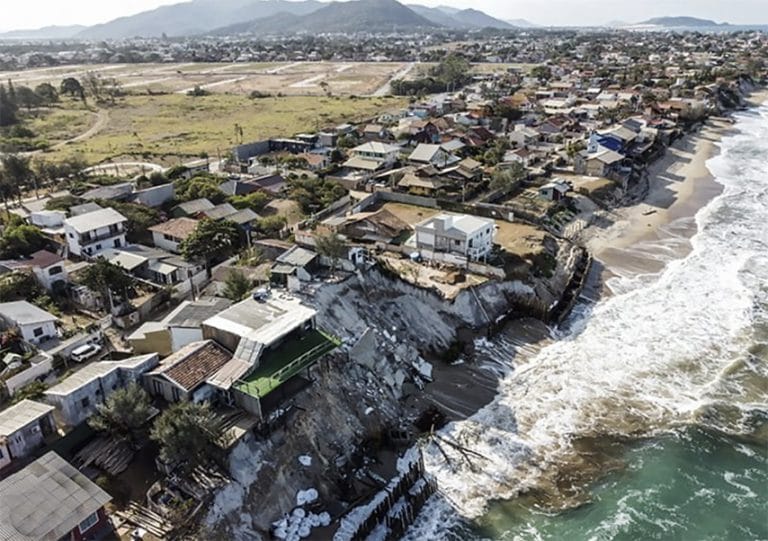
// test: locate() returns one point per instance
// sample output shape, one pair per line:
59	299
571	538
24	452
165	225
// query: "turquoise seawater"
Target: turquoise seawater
694	485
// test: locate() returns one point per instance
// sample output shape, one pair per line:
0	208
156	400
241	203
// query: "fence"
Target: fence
395	507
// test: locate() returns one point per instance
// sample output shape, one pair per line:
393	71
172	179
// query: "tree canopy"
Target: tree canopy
187	434
210	240
123	413
107	279
237	285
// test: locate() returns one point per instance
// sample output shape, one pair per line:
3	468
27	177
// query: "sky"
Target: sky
38	13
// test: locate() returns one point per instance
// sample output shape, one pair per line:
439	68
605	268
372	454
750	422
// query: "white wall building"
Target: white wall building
379	152
35	324
465	235
23	428
77	397
89	234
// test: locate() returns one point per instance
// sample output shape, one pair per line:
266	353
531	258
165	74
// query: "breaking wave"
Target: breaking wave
686	346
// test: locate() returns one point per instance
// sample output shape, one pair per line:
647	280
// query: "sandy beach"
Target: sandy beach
626	240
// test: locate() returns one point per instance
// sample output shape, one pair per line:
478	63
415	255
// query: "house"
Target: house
377	152
88	234
219	212
602	163
49	500
23	429
375	132
315	162
169	235
180	327
272	183
555	190
78	396
155	265
433	155
191	208
296	263
275	340
379	226
422	182
238	187
116	192
466	235
47	267
183	375
34	324
85	208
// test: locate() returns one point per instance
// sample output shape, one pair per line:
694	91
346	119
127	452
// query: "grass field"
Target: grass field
171	127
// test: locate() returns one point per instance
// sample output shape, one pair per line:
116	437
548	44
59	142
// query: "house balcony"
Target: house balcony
279	365
90	239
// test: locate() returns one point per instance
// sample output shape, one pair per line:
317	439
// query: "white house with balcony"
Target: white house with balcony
465	235
377	152
91	233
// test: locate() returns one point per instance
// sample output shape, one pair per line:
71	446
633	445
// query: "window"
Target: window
98	246
85	402
55	270
175	393
1	452
89	522
71	235
117	243
38	331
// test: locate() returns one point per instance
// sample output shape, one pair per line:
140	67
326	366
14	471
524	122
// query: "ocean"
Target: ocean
647	418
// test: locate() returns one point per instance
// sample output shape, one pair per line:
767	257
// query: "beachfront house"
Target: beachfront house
275	341
465	235
183	376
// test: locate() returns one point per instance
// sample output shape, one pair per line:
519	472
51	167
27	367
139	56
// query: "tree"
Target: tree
21	240
187	434
211	239
123	413
140	218
16	171
72	86
255	201
47	93
26	97
507	178
542	73
237	285
8	108
107	279
331	246
270	226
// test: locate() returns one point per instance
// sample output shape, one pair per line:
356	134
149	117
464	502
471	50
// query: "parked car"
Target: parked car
85	352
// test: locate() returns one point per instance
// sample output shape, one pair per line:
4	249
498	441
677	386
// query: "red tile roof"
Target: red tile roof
193	364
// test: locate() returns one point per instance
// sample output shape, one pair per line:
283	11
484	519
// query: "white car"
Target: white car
85	352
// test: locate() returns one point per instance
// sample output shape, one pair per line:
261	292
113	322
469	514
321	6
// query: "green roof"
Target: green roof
279	365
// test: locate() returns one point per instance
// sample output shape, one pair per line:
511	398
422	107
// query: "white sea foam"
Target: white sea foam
643	361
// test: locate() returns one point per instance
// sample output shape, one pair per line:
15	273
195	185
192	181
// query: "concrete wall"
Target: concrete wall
14	383
46	279
155	196
30	437
159	240
159	386
76	406
181	336
28	332
243	152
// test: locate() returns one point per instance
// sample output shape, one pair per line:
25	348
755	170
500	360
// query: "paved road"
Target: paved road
385	88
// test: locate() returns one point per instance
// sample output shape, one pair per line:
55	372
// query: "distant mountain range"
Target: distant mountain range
681	22
47	32
226	17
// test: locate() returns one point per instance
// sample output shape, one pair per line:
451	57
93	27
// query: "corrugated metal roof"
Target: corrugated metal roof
20	415
46	500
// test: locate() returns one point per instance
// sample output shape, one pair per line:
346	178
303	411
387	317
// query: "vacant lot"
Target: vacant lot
170	127
287	78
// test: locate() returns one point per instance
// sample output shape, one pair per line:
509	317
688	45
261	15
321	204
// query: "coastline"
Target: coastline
679	185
